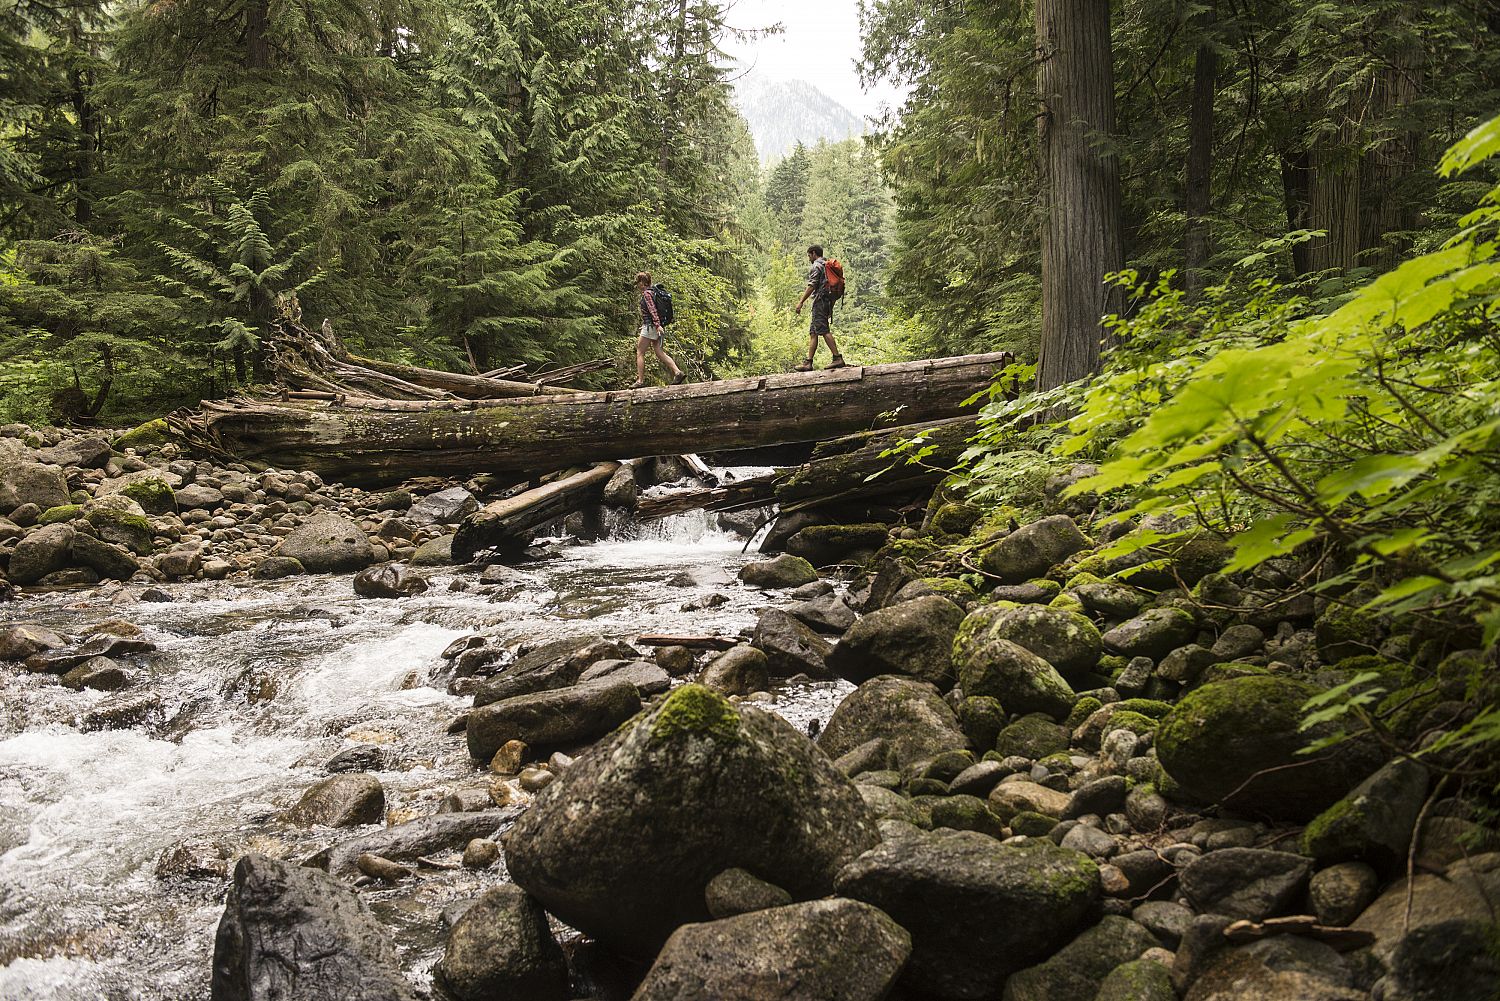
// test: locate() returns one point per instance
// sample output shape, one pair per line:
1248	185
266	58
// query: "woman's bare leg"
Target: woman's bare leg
665	359
640	359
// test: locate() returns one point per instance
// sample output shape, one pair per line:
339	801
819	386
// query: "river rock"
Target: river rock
1154	633
825	545
977	910
343	800
434	553
290	932
1275	969
388	581
1374	823
909	715
552	665
85	453
548	721
1032	550
738	671
780	571
1340	893
359	758
989	664
790	647
122	711
31	483
826	612
62	659
1236	742
1010	798
121	526
446	507
1249	883
42	551
277	567
152	489
624	849
1081	966
913	638
327	543
735	891
98	673
819	949
179	563
22	641
110	561
1447	961
648	678
503	948
1064	639
199	496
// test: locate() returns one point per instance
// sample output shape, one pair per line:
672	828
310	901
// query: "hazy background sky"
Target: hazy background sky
820	45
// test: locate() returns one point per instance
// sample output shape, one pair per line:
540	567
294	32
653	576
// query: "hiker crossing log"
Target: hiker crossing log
367	440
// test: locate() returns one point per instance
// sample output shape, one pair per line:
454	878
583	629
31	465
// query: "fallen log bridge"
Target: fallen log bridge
374	441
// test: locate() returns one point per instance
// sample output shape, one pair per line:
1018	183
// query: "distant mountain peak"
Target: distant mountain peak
782	113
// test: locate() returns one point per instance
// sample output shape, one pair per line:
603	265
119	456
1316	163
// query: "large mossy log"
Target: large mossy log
374	441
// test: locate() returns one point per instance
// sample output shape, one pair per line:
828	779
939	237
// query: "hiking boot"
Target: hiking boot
679	378
838	362
638	384
806	366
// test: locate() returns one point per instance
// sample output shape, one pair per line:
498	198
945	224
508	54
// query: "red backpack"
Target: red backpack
833	280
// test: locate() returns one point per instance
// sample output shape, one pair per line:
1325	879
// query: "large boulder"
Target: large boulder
624	846
977	910
909	715
778	572
346	800
292	932
823	545
1154	633
502	948
122	526
327	543
1032	550
446	507
1237	743
913	638
549	721
820	949
109	561
31	483
390	581
738	671
1374	823
791	647
1249	883
41	552
989	664
1080	967
152	489
1064	639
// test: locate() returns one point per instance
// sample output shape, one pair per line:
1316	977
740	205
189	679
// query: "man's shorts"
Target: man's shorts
822	313
650	332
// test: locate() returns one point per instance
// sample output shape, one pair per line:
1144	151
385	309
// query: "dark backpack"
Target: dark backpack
662	299
833	280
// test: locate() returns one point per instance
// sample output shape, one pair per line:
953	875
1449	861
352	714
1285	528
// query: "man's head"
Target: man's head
643	279
814	252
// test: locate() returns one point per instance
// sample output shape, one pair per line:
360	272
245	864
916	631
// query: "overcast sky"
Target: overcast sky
820	45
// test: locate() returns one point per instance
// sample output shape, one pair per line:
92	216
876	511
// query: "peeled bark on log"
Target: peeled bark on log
374	441
508	524
751	492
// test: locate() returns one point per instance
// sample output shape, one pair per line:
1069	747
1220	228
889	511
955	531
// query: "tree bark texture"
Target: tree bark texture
257	45
1198	200
1081	240
386	441
1333	201
1296	179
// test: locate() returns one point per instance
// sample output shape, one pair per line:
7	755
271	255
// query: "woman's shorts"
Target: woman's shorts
650	332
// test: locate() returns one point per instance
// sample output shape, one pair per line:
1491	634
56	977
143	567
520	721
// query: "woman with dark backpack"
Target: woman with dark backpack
653	331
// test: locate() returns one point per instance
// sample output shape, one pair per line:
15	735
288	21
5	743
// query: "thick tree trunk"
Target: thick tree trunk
384	441
1296	177
88	129
1081	240
257	45
1387	206
1198	200
1333	201
509	524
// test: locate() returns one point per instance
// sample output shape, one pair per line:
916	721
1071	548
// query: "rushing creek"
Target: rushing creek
260	683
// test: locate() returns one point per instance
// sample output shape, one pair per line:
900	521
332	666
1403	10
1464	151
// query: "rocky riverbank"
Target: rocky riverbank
1063	773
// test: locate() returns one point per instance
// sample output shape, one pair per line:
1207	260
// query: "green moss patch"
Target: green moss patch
696	711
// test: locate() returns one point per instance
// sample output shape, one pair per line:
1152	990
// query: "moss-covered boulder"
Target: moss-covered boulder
1081	966
982	718
152	434
1064	639
910	715
977	910
781	571
825	545
624	847
63	512
1237	743
990	664
954	518
1137	980
154	495
1033	736
1154	633
121	527
1374	823
913	638
1345	631
1032	550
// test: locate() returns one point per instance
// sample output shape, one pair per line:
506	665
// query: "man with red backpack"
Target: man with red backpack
825	284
